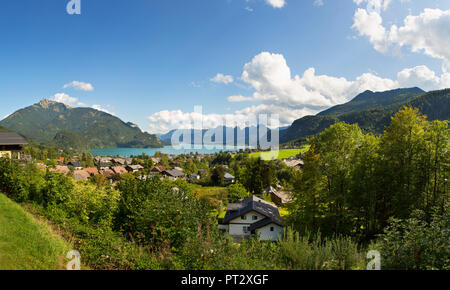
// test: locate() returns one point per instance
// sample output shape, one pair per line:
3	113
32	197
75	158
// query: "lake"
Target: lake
127	152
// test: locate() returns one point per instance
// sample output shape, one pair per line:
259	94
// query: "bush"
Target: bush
415	244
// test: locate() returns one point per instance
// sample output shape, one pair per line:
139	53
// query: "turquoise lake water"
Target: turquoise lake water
127	152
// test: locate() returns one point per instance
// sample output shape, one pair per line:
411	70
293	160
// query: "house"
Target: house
10	143
81	175
134	168
253	216
122	161
41	166
297	164
75	164
108	173
119	170
194	177
157	169
61	169
173	174
91	171
103	165
228	178
279	197
156	160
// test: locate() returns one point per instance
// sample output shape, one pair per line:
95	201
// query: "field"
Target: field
26	243
281	154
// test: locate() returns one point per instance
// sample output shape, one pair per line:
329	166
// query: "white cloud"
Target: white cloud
221	78
423	77
276	3
375	5
318	2
80	86
276	91
65	99
428	32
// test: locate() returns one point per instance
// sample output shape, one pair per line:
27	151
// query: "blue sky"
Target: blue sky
151	61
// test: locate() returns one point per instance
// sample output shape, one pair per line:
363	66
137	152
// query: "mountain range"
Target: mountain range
52	123
371	111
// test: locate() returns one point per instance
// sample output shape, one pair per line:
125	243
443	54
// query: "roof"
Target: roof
12	138
293	163
135	167
61	169
91	171
252	203
74	163
107	173
119	170
81	175
157	169
265	222
228	176
174	173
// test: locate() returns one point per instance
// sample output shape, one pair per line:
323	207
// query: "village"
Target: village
207	173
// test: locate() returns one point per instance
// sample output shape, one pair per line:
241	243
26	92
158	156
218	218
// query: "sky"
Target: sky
151	62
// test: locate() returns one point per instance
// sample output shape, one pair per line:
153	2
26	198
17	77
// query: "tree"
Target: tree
217	176
236	192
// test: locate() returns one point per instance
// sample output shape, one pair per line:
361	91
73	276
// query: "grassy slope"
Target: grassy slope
27	244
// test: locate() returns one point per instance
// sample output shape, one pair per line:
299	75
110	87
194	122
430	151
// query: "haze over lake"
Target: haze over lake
127	152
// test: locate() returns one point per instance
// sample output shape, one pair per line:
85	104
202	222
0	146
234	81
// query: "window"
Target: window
255	217
245	229
272	229
243	217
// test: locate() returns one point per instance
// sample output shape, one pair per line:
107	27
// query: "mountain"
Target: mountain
371	100
52	123
377	112
244	134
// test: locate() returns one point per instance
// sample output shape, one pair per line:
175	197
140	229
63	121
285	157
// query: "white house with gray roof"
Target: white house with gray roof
253	216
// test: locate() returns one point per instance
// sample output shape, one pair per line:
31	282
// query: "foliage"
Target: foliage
236	192
415	244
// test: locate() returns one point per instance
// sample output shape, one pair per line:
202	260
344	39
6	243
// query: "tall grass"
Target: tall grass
311	252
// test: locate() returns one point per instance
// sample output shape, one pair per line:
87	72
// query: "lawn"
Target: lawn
281	154
26	243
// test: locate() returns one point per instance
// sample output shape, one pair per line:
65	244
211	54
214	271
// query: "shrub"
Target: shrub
415	244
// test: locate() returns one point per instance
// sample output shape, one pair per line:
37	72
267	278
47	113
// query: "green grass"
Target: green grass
281	154
26	243
216	192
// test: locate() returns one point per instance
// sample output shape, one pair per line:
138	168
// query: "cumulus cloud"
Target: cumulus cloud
423	77
80	86
221	78
276	3
271	78
428	32
277	91
65	99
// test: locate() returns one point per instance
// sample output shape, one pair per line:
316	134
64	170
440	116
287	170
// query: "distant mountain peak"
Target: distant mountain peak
47	103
